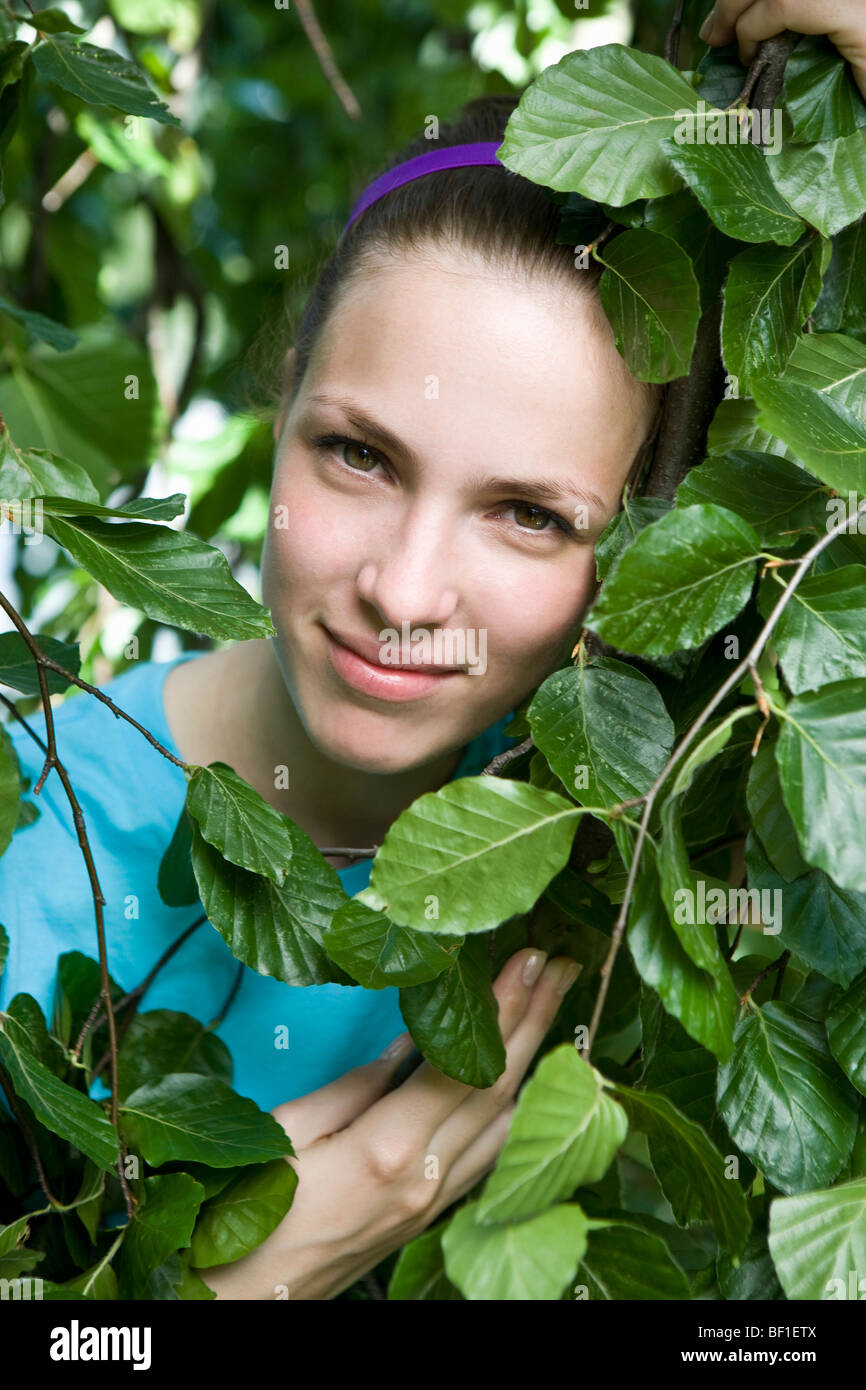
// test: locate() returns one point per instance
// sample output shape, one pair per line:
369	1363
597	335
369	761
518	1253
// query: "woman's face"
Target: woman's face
490	408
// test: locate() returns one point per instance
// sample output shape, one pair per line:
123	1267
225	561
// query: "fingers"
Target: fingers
413	1112
475	1162
748	22
333	1107
461	1129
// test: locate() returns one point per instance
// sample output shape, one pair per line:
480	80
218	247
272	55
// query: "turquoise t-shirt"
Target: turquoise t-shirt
132	797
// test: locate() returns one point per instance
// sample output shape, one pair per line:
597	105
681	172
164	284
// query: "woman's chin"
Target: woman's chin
382	752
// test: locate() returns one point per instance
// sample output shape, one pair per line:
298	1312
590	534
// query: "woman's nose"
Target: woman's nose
411	576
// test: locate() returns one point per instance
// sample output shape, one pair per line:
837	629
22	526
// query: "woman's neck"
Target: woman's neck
233	706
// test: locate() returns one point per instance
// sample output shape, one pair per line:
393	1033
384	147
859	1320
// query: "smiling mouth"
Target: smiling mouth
365	650
380	681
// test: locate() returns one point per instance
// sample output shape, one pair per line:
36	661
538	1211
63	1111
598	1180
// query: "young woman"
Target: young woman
455	432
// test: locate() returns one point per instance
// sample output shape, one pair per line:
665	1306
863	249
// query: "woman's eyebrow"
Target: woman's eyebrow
547	489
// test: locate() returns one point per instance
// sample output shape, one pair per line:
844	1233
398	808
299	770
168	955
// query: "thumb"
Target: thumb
333	1107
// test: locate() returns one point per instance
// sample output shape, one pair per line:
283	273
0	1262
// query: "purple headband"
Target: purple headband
447	157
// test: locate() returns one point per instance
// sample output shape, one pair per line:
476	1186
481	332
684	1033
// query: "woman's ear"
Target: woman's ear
288	376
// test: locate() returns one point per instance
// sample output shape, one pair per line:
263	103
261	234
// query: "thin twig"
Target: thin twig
46	661
131	1001
778	964
495	766
322	49
672	39
53	761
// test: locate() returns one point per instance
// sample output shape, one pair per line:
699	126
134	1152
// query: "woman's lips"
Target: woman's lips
383	682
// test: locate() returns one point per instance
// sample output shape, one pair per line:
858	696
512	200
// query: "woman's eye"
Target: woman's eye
531	518
352	452
357	455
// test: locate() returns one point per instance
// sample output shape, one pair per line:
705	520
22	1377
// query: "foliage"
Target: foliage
713	725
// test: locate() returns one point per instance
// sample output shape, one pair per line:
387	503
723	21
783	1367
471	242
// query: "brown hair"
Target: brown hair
488	209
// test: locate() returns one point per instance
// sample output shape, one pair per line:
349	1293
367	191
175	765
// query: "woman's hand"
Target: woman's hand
367	1179
748	22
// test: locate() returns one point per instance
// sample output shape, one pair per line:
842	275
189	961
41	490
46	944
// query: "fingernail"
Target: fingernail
533	968
399	1044
706	30
568	976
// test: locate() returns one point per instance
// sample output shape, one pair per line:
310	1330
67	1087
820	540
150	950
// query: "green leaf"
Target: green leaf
454	1019
4	949
18	669
603	728
176	880
163	1041
623	1262
175	1280
733	183
564	1132
57	335
705	1005
825	434
527	1261
199	1117
777	499
469	856
163	1223
61	1108
821	96
770	291
98	1283
825	183
689	1167
620	532
694	927
679	582
821	755
54	21
100	77
377	953
140	508
821	634
276	931
419	1273
833	364
785	1101
770	817
845	1032
651	297
735	426
675	1066
29	1024
823	925
841	306
818	1240
171	576
243	1214
29	473
77	986
681	217
77	405
10	790
594	124
234	818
